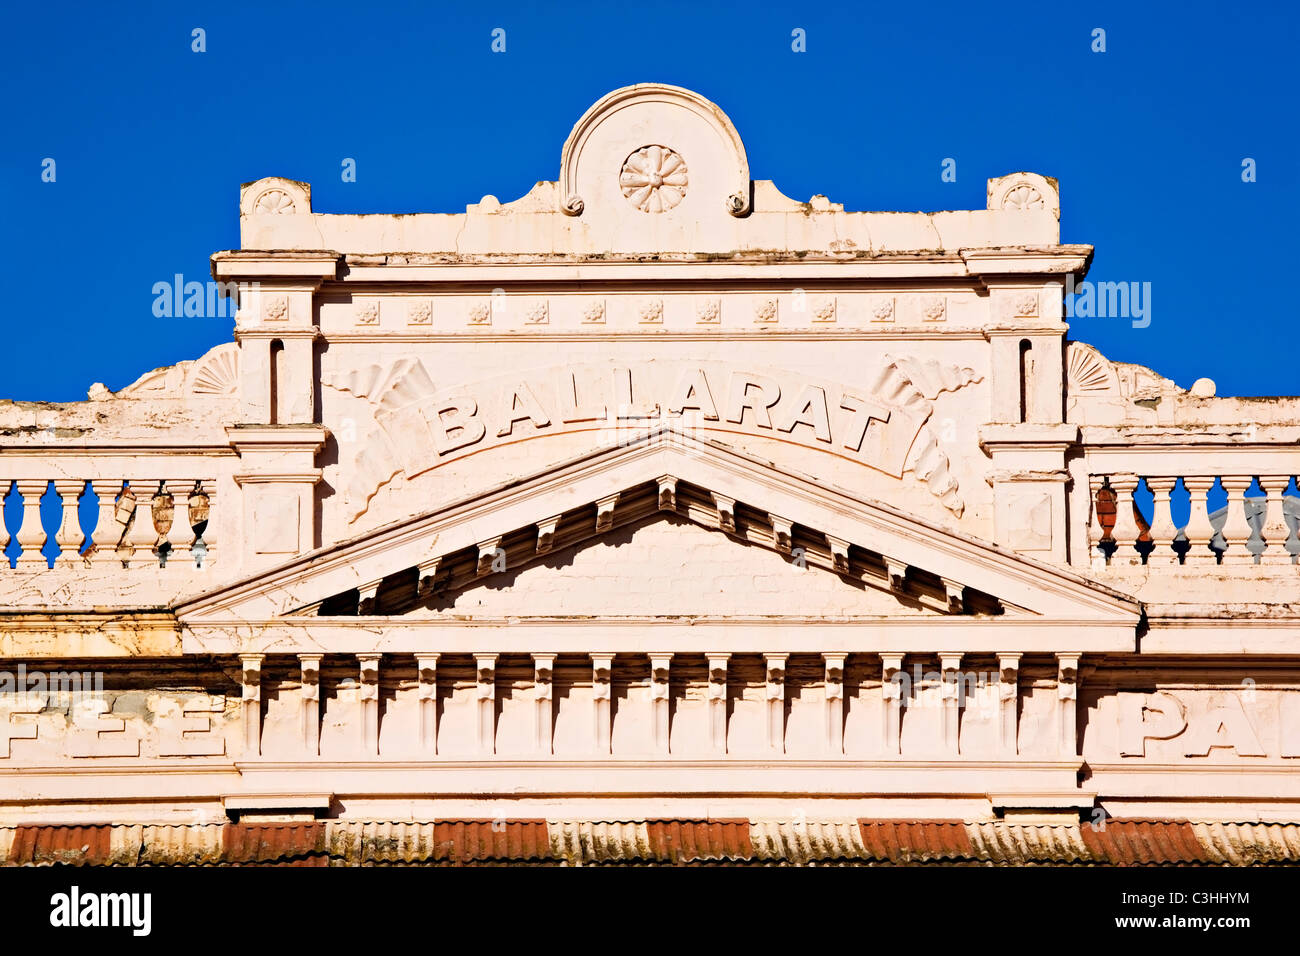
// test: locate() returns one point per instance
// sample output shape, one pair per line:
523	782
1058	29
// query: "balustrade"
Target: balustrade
140	523
1259	528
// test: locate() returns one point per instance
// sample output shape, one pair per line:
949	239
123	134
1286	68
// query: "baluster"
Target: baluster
180	534
1275	531
31	535
1162	530
163	515
1236	528
201	514
141	536
1199	531
1096	531
69	536
4	530
108	530
1126	528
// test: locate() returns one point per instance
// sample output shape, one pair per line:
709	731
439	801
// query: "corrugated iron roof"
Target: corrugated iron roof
68	845
664	841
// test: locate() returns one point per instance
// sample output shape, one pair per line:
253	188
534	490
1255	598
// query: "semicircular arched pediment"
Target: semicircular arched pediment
653	149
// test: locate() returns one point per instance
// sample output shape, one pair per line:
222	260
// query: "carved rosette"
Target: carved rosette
1025	305
368	313
825	311
654	179
934	309
419	312
276	309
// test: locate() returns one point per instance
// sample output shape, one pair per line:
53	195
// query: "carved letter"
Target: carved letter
571	411
738	398
1224	726
523	405
455	424
861	412
1136	726
623	397
693	392
808	409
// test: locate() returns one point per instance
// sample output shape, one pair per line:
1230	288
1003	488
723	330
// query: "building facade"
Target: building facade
653	515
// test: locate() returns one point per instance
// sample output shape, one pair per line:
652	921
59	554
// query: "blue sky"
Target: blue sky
152	140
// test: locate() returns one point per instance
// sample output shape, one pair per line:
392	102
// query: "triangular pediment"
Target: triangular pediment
419	564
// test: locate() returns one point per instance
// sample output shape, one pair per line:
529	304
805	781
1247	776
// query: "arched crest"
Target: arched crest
644	98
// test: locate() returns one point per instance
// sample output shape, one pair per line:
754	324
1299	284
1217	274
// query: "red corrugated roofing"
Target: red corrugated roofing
686	841
481	841
273	842
919	841
1144	842
72	845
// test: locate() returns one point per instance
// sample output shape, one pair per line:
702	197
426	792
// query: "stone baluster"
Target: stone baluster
1126	530
69	535
202	500
108	530
835	702
1276	532
660	667
31	535
180	535
141	536
163	512
1199	531
1162	530
774	667
718	701
4	529
1236	528
1096	531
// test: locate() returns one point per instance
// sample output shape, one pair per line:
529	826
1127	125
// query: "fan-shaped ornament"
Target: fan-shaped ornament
275	202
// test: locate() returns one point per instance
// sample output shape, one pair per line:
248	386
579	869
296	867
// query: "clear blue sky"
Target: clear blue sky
151	142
